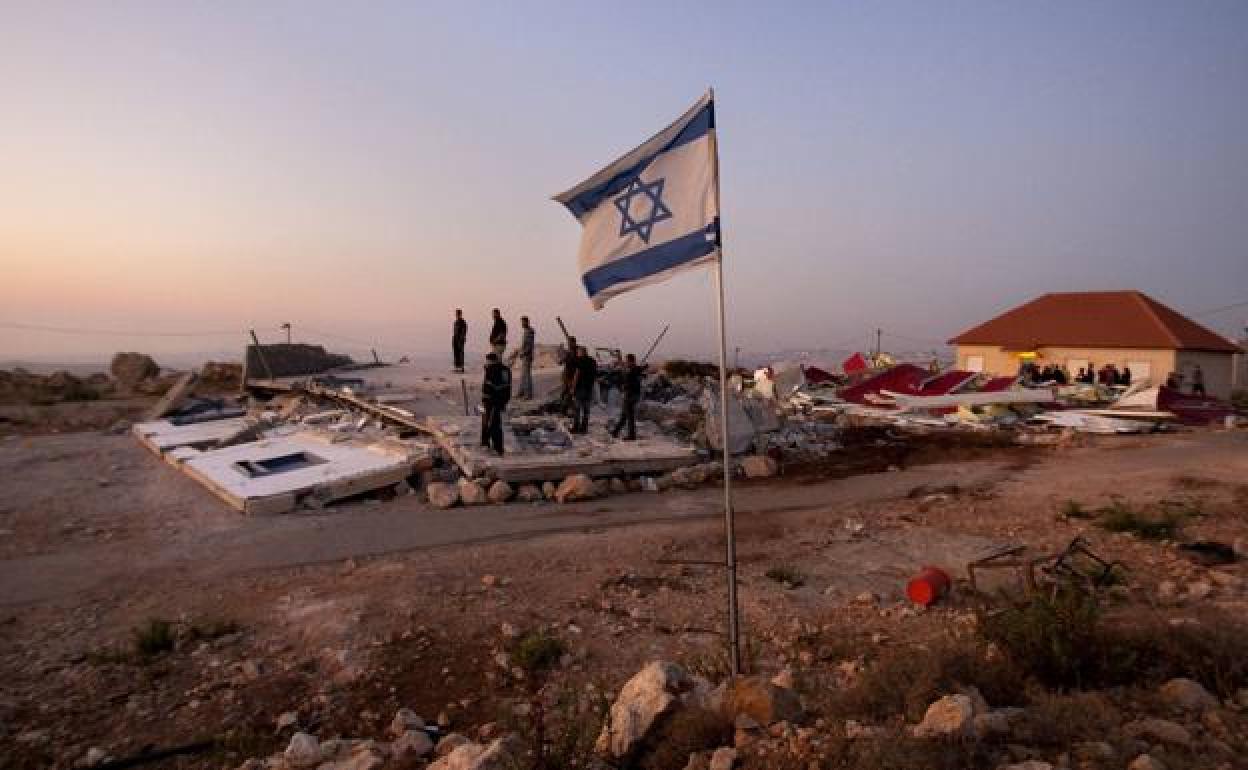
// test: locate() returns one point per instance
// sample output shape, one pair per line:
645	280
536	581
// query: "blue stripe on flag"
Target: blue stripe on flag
654	260
703	122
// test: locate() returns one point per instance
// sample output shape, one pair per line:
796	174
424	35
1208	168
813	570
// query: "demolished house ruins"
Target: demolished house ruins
311	427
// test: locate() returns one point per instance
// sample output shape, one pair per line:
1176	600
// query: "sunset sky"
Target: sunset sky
359	169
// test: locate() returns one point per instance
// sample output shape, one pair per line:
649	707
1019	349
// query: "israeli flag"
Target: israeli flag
653	212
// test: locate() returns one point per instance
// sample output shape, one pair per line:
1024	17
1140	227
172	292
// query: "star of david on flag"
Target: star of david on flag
653	212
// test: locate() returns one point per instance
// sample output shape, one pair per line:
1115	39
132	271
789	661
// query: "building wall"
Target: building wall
1158	362
1218	369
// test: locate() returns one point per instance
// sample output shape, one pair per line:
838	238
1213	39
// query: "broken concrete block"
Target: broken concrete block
548	490
500	492
442	494
578	486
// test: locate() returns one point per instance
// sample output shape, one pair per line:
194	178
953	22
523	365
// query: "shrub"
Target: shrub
789	576
153	639
536	651
1048	637
1072	509
1159	525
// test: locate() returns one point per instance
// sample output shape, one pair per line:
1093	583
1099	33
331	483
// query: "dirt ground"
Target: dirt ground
340	617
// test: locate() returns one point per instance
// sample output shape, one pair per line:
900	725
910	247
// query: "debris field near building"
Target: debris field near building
311	438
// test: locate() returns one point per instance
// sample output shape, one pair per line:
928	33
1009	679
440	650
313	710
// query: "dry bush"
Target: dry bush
1060	720
906	680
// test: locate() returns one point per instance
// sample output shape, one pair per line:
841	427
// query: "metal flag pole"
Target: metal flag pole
730	534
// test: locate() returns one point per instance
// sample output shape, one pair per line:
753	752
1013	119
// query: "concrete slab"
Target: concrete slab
161	436
274	475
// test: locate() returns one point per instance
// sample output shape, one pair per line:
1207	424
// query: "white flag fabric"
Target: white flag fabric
653	212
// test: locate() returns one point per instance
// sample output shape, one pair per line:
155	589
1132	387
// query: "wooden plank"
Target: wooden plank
174	397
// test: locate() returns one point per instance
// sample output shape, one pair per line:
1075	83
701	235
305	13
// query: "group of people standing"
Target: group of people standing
580	375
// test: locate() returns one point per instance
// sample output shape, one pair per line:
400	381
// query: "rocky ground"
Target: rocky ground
518	651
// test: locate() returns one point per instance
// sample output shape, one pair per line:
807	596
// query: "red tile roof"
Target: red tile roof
1094	319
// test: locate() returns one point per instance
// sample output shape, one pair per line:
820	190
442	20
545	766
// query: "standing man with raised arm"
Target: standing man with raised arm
459	335
498	335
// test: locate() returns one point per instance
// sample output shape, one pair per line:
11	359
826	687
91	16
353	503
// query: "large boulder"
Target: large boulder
578	486
761	700
644	700
504	753
304	750
442	495
132	368
759	467
952	715
1159	731
500	492
1188	695
471	493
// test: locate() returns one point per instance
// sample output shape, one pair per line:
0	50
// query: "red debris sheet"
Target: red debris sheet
903	378
945	382
1192	409
855	364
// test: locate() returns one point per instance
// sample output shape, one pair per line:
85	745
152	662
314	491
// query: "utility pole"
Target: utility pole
286	326
879	348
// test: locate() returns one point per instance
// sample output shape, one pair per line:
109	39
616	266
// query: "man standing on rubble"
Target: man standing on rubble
498	335
495	393
583	381
459	335
631	389
527	344
569	376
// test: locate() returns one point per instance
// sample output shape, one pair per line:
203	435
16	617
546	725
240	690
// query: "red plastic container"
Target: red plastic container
929	585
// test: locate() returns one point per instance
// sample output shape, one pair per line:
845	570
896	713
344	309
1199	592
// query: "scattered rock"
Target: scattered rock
528	493
578	486
471	493
500	492
1145	762
94	756
405	719
287	719
1159	730
503	754
1031	764
449	743
649	695
413	743
992	723
304	751
723	759
1199	589
442	495
759	467
1188	694
951	715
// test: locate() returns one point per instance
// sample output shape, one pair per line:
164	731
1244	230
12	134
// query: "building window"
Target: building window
1140	370
974	363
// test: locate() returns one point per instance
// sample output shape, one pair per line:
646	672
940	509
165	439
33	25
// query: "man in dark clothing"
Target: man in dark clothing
569	376
1125	377
1198	381
583	389
498	335
459	335
631	388
495	393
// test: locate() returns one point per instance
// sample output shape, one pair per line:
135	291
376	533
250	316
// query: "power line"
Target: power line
113	332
